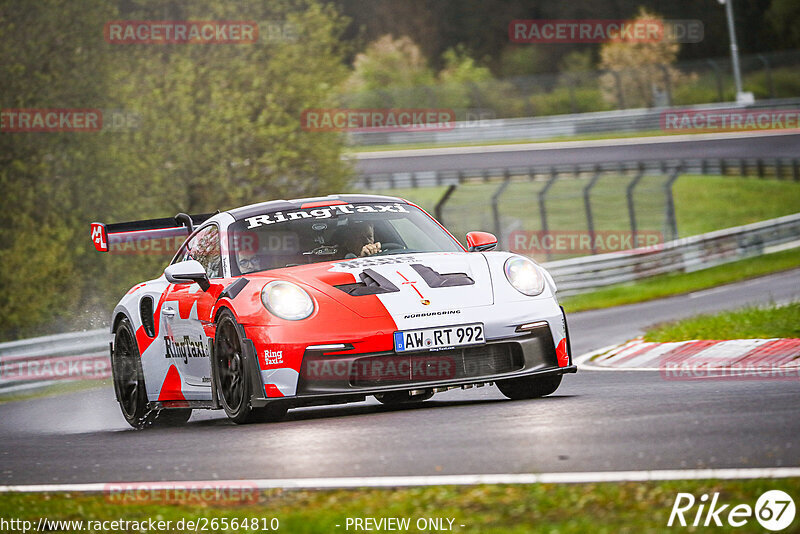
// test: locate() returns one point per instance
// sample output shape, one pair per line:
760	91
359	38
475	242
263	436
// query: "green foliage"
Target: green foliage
218	127
460	79
642	68
461	68
394	73
523	60
783	16
386	64
559	101
577	61
785	82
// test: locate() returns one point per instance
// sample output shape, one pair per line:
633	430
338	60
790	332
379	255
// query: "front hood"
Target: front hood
408	274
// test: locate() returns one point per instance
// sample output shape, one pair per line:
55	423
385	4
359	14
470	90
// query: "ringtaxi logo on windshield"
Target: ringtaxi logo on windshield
774	510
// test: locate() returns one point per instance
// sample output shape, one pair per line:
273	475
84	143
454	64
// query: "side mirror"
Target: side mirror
187	271
480	241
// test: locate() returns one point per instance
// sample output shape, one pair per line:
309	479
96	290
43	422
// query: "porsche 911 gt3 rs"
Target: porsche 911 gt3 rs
327	300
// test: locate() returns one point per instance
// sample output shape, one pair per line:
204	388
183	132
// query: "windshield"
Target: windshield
297	237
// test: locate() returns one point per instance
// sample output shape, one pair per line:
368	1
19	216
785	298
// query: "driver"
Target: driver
248	261
359	240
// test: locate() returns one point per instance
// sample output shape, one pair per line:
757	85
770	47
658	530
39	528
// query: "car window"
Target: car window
273	240
204	247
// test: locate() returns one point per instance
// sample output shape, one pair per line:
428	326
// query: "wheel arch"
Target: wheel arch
118	317
221	308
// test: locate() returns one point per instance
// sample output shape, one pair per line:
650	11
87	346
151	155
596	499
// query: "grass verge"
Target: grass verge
55	389
567	508
707	203
748	323
679	283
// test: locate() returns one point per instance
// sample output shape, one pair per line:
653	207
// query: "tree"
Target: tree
388	64
644	67
461	80
783	16
219	127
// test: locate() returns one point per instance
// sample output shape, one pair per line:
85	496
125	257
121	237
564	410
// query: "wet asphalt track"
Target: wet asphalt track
597	421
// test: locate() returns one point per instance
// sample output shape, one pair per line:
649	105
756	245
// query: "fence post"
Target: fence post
571	80
672	223
442	201
768	71
587	203
430	96
476	95
386	96
618	82
718	76
631	205
498	228
620	94
667	83
542	204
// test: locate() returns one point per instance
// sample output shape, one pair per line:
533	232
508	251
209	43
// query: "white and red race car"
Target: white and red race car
327	300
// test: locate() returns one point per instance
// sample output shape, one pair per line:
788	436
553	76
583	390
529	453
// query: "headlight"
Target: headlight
523	274
287	300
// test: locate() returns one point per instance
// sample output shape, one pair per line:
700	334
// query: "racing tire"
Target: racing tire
529	387
128	378
393	398
129	385
232	374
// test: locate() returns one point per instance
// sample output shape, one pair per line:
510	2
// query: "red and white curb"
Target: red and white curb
744	355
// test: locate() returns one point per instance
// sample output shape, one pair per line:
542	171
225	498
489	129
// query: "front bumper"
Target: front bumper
526	354
310	375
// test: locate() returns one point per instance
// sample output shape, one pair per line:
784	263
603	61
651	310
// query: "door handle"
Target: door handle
168	311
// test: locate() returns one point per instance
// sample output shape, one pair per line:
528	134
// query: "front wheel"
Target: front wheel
233	375
529	387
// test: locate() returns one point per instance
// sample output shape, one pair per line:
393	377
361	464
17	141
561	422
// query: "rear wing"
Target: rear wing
105	236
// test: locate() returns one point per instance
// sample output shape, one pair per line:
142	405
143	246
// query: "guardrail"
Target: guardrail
780	168
578	275
599	122
42	361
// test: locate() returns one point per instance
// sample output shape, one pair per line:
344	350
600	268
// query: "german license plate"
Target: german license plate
439	337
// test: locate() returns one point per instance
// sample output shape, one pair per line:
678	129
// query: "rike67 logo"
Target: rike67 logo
774	511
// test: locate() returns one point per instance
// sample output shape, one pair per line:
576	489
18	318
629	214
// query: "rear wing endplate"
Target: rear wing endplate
106	235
